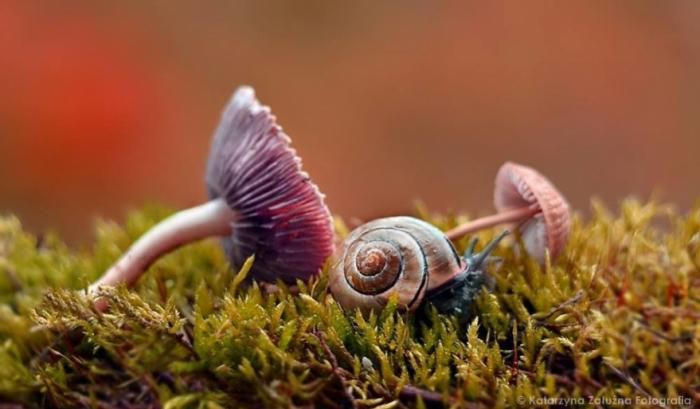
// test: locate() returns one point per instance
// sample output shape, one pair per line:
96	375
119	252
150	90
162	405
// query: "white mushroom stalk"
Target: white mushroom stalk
508	216
213	218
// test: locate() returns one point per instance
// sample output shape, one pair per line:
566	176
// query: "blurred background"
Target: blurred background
105	106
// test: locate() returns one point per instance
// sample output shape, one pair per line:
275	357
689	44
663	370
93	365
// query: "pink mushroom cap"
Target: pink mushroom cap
519	186
281	215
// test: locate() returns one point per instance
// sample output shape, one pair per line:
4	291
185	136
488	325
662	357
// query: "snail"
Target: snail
261	203
411	260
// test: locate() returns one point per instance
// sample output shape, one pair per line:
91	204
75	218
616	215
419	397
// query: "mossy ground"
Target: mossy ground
616	317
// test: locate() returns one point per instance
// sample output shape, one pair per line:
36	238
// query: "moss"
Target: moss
616	317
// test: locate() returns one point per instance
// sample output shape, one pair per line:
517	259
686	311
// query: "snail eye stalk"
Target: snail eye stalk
470	250
475	261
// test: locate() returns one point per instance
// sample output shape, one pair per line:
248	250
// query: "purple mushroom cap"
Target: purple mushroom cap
281	215
520	186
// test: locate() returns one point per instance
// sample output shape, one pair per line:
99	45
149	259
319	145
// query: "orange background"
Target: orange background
106	106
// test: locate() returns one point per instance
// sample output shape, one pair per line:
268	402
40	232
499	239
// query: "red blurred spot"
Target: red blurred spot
77	99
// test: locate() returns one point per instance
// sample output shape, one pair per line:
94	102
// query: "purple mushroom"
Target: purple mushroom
262	203
527	200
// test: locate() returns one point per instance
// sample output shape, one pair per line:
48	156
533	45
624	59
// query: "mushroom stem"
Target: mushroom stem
213	218
509	216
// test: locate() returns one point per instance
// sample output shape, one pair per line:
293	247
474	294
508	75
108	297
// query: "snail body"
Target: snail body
400	257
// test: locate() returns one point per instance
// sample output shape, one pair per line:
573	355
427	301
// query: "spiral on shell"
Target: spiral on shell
399	257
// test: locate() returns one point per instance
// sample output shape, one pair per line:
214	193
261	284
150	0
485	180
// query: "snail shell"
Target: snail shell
394	256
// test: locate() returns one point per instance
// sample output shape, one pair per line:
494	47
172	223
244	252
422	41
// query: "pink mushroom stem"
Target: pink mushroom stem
506	216
213	218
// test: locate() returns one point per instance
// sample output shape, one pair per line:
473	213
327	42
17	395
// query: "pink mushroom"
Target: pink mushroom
525	198
262	203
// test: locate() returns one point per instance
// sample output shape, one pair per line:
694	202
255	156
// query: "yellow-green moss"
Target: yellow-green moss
616	317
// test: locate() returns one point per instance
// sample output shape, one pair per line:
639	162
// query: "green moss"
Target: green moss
616	317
